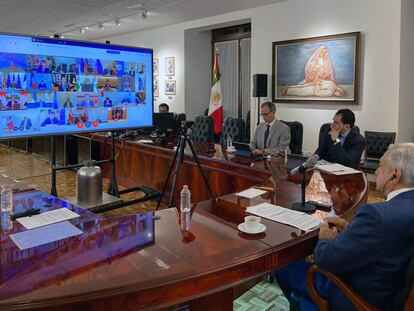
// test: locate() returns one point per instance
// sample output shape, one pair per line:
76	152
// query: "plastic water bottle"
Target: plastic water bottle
185	199
6	198
229	142
287	152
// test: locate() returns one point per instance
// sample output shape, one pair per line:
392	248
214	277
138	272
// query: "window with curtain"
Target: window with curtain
233	45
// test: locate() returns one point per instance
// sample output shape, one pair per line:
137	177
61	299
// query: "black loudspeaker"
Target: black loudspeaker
260	85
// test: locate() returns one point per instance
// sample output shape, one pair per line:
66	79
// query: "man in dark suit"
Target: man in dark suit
42	68
371	253
343	144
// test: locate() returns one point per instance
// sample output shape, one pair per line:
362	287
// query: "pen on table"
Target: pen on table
28	212
264	188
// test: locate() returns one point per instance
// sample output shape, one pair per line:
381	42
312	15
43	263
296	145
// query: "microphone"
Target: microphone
309	163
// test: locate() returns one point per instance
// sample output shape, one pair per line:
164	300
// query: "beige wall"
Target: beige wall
378	20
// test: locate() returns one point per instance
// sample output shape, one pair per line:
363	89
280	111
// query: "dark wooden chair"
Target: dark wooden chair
403	300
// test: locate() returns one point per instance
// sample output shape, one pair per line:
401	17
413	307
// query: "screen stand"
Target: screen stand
53	190
113	185
258	110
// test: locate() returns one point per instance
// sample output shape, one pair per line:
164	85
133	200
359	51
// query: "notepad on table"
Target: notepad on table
251	193
47	218
43	235
286	216
336	169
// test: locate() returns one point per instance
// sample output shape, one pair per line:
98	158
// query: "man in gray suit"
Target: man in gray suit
271	136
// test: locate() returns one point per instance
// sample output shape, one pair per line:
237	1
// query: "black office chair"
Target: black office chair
235	128
206	112
248	127
376	145
203	129
296	136
180	117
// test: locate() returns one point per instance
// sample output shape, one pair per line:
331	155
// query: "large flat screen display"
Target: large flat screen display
55	86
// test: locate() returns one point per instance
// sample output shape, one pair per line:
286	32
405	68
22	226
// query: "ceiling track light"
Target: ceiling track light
144	14
101	26
82	31
118	22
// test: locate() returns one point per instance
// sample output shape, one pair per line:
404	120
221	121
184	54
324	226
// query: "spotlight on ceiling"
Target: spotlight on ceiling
101	26
82	31
144	14
118	22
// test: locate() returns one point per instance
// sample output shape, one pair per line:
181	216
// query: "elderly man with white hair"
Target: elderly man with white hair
371	253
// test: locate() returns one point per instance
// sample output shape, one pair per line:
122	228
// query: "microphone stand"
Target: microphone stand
303	206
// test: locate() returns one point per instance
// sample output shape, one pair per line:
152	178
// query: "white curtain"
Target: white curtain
228	65
245	76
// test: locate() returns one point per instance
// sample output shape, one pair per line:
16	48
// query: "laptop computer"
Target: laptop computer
245	150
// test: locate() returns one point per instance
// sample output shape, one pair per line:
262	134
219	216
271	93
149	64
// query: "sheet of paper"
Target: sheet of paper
251	193
336	169
43	235
145	141
283	215
47	218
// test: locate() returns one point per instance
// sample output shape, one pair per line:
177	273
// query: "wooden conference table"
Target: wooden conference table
141	262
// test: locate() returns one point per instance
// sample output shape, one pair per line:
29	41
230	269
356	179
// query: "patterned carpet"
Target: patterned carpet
262	297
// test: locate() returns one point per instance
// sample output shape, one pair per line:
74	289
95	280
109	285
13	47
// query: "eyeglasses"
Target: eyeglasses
265	114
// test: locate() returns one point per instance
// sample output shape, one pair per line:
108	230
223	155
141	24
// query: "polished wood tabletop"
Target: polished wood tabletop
165	259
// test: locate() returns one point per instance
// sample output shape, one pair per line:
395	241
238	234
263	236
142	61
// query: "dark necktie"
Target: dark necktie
266	135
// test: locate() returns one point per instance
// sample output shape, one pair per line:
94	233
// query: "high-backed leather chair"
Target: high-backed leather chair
376	145
296	136
403	300
206	112
248	127
203	129
235	128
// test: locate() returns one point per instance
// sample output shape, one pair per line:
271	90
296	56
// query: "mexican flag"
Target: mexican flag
215	109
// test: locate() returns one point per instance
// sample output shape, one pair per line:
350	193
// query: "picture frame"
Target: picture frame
155	67
156	88
170	87
322	69
170	66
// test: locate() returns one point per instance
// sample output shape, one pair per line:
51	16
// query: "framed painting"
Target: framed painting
156	88
320	69
155	66
169	87
169	66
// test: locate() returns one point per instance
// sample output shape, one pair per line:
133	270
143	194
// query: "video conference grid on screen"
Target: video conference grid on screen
52	86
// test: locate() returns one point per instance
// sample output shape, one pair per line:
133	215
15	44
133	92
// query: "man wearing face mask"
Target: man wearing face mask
371	253
343	144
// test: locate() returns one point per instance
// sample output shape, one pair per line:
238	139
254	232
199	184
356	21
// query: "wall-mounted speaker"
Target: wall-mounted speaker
260	85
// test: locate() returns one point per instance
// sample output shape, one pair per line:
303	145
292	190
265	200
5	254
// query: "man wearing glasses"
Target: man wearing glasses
272	136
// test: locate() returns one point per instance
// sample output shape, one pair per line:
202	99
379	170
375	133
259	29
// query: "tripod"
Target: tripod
178	160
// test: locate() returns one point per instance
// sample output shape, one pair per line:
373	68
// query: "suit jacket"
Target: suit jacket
348	154
372	254
278	140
